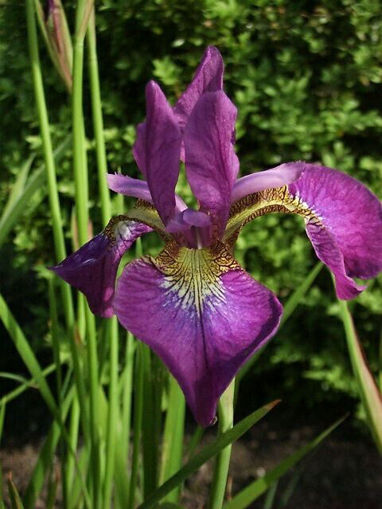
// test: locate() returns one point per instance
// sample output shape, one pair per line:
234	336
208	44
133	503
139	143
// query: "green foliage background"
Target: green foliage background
306	78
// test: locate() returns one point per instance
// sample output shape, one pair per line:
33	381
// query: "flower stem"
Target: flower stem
137	425
112	325
173	437
368	389
42	112
81	199
219	481
98	121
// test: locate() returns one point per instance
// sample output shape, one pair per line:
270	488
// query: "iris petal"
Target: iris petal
129	186
258	181
350	212
136	188
208	78
157	150
93	268
343	221
210	316
211	162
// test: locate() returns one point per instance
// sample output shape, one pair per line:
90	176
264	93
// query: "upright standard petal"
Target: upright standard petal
343	221
210	316
208	78
93	268
157	150
211	162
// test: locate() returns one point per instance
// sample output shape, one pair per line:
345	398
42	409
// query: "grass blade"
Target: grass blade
14	494
207	453
370	395
172	443
296	297
138	418
260	486
289	307
18	187
219	481
35	183
45	457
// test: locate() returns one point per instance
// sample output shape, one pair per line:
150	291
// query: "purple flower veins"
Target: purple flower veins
194	305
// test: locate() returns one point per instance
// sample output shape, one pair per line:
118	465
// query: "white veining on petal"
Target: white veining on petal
192	277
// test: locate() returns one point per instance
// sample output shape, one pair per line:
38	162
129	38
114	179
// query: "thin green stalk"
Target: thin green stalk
194	442
2	416
45	457
31	383
219	481
210	450
127	390
122	453
370	395
57	361
172	446
73	439
48	155
150	432
52	186
81	199
106	213
380	361
137	425
79	168
98	120
112	413
94	416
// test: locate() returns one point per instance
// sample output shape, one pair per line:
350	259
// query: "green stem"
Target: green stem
380	361
98	121
122	452
81	198
137	425
80	170
370	395
150	434
73	438
95	458
42	112
172	449
112	421
106	213
219	481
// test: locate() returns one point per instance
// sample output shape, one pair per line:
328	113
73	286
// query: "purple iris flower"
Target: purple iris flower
193	304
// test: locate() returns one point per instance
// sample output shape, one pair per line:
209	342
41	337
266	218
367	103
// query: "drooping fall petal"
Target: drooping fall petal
350	213
211	162
201	313
343	221
157	150
93	268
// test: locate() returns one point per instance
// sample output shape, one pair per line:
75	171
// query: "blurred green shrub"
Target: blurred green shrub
306	78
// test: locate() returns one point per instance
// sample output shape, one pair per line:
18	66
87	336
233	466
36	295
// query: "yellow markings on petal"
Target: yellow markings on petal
193	275
264	202
146	213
